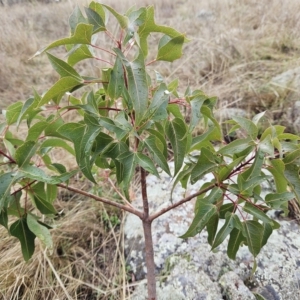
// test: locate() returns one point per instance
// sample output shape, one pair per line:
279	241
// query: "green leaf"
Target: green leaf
235	240
4	218
25	152
276	200
6	182
236	146
227	169
154	146
224	231
225	208
150	26
39	231
277	170
38	174
98	8
123	20
137	83
51	193
27	108
176	133
76	18
20	230
253	231
256	212
146	163
53	142
45	207
292	158
12	112
291	173
128	161
212	227
157	109
116	82
79	53
62	86
255	170
267	231
82	35
171	50
95	19
258	117
266	146
63	68
247	125
203	215
35	131
207	162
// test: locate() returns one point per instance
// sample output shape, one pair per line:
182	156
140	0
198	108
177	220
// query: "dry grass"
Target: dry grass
237	47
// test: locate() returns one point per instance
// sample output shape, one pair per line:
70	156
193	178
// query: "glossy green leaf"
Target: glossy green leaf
235	240
4	218
123	20
76	18
204	213
35	131
224	231
157	109
98	8
266	146
212	227
236	146
6	182
291	173
25	152
292	158
62	86
116	82
247	125
13	112
128	161
176	133
277	170
253	231
27	108
255	169
35	173
20	230
171	50
137	83
40	231
256	212
225	208
207	162
63	68
267	231
150	26
54	142
95	19
51	193
225	171
276	200
79	53
146	163
82	35
258	117
45	207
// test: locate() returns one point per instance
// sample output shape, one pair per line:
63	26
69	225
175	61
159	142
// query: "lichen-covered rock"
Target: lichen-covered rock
191	270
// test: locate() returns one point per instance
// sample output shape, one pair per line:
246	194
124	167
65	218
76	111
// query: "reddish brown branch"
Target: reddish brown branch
187	199
127	208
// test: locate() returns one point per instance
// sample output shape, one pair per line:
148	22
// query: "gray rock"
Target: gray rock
193	270
234	288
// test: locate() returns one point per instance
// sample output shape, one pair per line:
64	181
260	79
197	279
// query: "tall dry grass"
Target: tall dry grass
237	47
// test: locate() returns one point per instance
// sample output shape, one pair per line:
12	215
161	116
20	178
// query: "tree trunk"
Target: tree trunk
151	282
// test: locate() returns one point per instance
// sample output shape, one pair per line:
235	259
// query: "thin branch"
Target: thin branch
103	49
8	157
144	194
184	200
103	200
